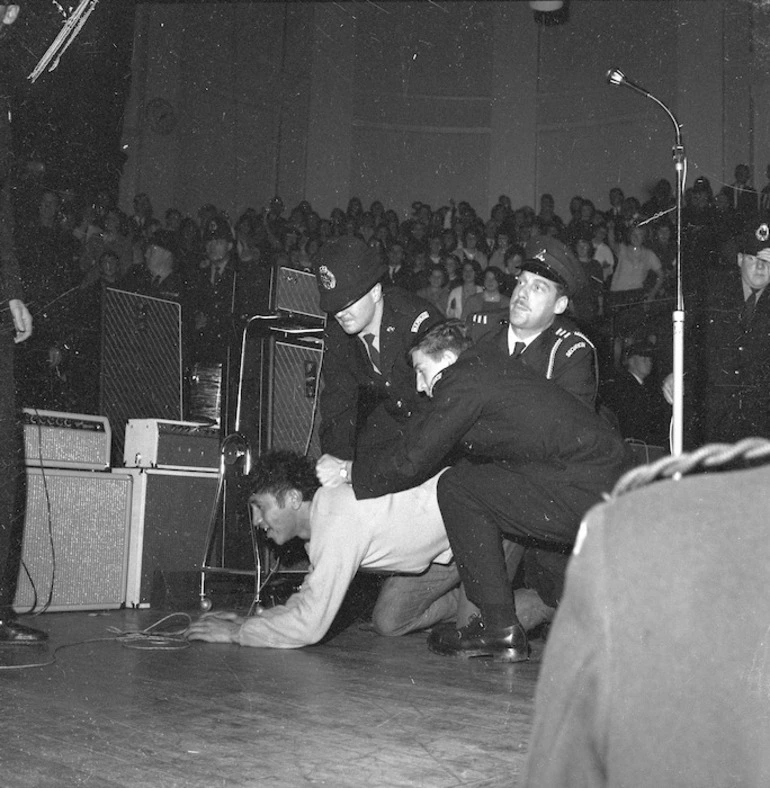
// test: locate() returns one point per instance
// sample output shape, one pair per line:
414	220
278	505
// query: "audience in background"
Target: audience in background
439	252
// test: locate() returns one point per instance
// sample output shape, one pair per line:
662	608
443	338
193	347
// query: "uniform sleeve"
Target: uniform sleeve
568	746
425	440
336	549
575	370
339	396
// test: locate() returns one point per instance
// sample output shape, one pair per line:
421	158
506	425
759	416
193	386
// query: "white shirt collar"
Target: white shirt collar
513	339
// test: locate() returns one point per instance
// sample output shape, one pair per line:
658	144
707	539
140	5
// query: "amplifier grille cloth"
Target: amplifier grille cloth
297	291
90	513
295	375
141	360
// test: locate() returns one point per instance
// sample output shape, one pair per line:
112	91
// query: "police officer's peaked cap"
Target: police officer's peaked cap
217	228
346	269
755	240
553	260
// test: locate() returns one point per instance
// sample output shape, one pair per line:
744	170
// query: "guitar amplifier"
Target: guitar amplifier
293	388
296	292
75	547
174	445
66	440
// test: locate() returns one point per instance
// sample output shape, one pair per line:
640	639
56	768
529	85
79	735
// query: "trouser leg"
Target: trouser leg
478	504
466	609
408	603
11	448
476	543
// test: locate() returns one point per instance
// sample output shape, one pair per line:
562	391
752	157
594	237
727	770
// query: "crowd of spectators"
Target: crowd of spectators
464	263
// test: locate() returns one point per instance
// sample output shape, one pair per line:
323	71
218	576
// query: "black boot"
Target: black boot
12	633
504	644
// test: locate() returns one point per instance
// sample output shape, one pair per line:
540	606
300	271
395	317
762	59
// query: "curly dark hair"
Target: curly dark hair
276	472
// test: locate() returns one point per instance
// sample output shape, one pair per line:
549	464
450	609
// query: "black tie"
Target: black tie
518	349
374	354
749	307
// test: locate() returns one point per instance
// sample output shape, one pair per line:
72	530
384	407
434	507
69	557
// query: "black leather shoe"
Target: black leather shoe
507	644
12	633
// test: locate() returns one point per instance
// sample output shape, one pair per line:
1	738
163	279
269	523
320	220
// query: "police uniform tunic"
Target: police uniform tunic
737	358
561	353
359	406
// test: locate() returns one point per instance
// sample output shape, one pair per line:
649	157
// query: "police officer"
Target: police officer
368	383
549	343
735	354
538	331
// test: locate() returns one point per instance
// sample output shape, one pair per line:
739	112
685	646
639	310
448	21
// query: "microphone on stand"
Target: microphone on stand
616	77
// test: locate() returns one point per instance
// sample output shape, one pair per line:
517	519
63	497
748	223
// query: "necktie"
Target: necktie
518	349
748	308
156	282
374	354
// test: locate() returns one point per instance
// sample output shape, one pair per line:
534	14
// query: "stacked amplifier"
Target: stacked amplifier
174	469
141	360
77	515
291	370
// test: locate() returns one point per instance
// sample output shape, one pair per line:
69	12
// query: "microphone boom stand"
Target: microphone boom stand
616	77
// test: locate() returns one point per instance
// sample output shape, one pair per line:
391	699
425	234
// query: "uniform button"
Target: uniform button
387	384
400	403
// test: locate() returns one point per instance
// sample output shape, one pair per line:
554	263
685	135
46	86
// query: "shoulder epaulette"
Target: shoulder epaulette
563	334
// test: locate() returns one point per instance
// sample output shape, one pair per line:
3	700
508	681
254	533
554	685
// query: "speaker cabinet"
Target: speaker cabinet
169	525
296	292
141	372
75	540
293	389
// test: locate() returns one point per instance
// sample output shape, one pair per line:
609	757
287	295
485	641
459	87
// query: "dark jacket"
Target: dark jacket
354	394
505	413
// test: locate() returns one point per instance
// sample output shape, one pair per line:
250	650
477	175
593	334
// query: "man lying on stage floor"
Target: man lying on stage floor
401	533
393	533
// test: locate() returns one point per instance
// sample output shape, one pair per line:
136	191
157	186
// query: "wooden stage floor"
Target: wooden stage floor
359	710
